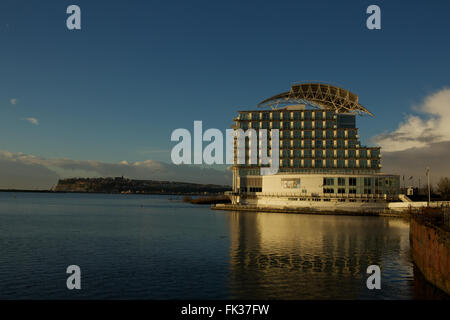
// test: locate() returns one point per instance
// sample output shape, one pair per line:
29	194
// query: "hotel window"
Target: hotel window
341	163
244	125
351	163
341	143
297	144
319	153
286	125
255	116
297	163
375	153
319	144
308	115
319	134
297	134
328	181
265	125
363	163
297	153
307	143
367	191
297	125
363	153
286	115
297	115
319	124
351	143
275	125
328	190
329	134
276	116
329	143
352	191
341	190
318	115
308	153
341	134
266	116
307	163
352	181
341	181
346	121
330	153
308	125
330	163
378	182
367	182
319	163
308	134
351	153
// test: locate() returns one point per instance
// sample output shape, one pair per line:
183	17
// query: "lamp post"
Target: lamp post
428	180
419	186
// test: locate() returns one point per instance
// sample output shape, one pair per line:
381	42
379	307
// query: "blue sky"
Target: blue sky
140	69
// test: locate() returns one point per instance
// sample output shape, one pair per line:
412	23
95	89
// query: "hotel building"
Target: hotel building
322	163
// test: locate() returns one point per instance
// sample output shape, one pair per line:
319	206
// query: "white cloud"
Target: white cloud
420	141
16	174
421	131
13	101
51	169
413	162
32	121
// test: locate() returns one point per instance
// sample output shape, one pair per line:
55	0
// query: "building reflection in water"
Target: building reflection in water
287	256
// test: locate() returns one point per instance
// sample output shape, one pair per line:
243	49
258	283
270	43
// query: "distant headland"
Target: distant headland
121	185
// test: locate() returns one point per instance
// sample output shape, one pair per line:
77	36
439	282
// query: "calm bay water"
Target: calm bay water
149	247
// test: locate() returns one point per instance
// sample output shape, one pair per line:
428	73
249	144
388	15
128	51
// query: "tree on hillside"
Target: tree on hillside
443	188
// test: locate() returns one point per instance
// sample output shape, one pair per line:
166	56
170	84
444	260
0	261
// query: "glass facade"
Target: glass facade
314	141
328	138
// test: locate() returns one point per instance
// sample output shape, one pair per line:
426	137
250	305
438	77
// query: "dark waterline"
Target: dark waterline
147	247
